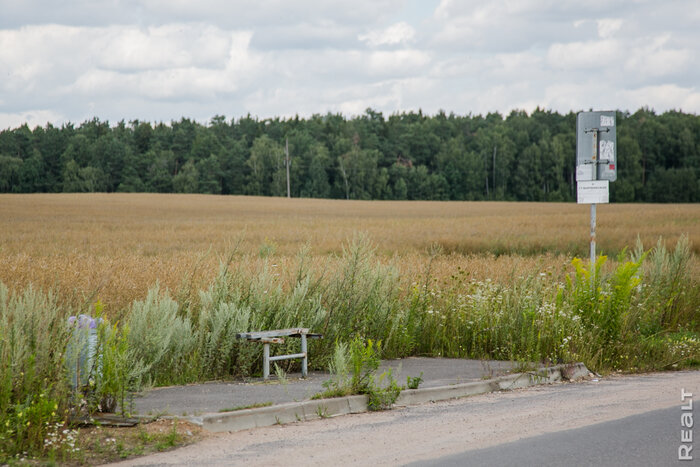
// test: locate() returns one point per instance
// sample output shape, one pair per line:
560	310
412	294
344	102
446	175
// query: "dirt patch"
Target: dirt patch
101	444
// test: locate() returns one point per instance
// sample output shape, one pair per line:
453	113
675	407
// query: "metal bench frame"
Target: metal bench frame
277	337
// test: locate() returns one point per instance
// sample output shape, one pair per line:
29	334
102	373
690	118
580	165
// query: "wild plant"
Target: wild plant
382	394
33	389
339	383
412	382
671	293
119	372
353	370
361	298
162	341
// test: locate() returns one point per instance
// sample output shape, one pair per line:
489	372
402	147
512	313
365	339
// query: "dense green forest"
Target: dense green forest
371	156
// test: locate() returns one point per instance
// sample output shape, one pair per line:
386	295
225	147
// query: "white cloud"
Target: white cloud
155	62
607	27
653	59
397	62
171	46
520	64
584	55
162	59
665	96
32	118
399	33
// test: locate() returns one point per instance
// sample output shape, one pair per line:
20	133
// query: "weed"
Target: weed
281	376
382	396
356	369
169	440
412	382
322	411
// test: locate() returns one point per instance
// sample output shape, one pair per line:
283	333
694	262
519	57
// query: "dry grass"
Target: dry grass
114	246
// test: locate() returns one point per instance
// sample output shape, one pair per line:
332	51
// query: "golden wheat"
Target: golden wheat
112	247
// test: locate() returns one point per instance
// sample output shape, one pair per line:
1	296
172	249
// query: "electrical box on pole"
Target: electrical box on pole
596	162
596	146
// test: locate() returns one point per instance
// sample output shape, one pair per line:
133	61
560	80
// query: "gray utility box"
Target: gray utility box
82	357
596	146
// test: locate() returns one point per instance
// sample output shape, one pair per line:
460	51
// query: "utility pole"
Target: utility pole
486	176
596	164
494	170
595	132
286	162
595	177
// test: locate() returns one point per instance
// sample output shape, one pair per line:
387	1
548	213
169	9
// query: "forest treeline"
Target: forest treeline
372	156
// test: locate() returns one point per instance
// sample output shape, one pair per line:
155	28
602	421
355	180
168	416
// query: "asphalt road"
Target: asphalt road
647	439
625	420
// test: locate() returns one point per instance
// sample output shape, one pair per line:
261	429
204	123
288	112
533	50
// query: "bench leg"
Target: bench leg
266	361
304	364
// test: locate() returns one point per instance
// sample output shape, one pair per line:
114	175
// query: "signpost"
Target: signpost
596	162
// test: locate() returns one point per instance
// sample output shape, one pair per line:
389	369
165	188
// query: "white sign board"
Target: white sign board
585	172
593	192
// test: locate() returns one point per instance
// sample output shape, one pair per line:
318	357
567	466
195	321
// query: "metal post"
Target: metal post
493	187
266	361
592	239
595	177
286	159
304	364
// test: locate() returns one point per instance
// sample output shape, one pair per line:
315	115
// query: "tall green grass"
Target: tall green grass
638	313
33	387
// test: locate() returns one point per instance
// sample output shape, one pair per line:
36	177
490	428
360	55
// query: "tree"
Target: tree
210	175
82	179
160	171
109	154
358	169
71	177
32	174
264	162
234	170
187	180
10	168
400	189
316	184
406	155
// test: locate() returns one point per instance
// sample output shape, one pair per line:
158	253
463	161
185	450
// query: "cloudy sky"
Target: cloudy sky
160	60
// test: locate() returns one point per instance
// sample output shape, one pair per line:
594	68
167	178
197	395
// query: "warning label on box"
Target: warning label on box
593	192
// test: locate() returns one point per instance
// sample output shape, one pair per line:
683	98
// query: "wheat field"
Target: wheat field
113	247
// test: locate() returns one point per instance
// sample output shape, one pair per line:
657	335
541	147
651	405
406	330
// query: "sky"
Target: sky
160	60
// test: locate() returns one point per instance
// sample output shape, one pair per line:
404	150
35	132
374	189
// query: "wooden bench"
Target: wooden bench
277	337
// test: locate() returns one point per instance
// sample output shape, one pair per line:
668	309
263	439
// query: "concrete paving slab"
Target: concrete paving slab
198	399
321	408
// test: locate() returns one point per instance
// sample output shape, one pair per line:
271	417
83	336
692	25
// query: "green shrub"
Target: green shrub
161	339
33	390
120	371
354	371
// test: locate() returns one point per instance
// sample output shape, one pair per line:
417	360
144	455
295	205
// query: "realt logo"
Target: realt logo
686	447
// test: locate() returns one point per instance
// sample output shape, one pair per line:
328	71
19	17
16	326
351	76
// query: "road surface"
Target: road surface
591	423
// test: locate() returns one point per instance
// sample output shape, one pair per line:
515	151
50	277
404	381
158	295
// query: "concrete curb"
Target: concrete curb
324	408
